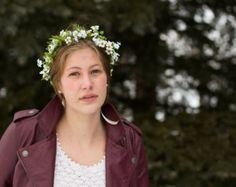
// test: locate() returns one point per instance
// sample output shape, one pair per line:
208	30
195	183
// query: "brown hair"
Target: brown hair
58	64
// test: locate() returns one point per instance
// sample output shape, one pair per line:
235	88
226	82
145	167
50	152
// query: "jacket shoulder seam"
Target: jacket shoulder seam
132	126
24	114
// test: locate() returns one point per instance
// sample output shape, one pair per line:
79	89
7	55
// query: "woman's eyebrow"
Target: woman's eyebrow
74	67
94	65
77	67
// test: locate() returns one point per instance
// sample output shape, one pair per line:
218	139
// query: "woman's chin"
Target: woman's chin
90	108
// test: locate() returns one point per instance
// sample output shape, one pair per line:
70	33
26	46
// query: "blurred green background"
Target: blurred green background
176	77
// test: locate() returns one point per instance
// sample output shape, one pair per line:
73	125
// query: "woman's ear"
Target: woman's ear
59	87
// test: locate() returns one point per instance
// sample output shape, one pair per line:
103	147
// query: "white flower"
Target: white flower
51	48
45	76
116	45
109	45
102	43
63	34
99	42
82	34
47	59
46	68
68	40
115	57
41	72
53	43
95	28
96	40
39	63
108	51
111	72
75	34
109	48
94	34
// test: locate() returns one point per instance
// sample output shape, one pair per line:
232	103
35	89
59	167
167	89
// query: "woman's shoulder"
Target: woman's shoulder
24	114
24	121
134	136
22	126
130	126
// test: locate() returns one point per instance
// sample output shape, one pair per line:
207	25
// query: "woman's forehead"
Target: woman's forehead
82	58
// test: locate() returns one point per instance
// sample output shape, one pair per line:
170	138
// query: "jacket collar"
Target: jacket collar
51	113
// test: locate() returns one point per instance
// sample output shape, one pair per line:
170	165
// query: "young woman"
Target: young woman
78	139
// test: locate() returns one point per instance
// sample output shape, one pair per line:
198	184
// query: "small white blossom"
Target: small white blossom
47	59
96	41
116	45
68	40
63	33
112	62
41	72
51	48
46	68
39	63
82	34
95	28
108	51
95	34
115	57
99	42
75	33
109	48
54	42
109	45
102	43
111	71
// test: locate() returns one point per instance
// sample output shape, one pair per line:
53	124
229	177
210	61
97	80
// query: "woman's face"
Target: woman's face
84	82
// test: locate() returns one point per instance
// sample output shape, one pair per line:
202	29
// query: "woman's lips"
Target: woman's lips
88	98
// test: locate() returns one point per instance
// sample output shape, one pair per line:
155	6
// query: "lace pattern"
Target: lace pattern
69	173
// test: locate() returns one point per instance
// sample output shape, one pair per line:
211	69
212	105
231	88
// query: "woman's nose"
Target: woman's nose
86	82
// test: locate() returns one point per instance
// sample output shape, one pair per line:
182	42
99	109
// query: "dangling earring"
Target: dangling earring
63	102
62	98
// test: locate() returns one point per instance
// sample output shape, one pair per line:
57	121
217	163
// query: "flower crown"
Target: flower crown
67	37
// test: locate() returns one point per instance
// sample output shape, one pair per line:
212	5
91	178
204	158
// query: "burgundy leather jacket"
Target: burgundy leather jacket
28	147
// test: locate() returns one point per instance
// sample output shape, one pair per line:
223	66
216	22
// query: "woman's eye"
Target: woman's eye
74	74
95	71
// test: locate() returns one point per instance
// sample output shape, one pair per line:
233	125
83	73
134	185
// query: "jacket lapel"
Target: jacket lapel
38	161
118	158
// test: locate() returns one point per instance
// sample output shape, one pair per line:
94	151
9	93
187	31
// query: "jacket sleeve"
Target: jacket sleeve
8	156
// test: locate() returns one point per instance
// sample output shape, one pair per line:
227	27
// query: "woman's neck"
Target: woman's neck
82	129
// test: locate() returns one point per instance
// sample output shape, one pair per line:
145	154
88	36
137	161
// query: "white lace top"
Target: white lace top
68	173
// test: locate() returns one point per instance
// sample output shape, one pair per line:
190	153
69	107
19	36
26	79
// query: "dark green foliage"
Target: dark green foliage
193	151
